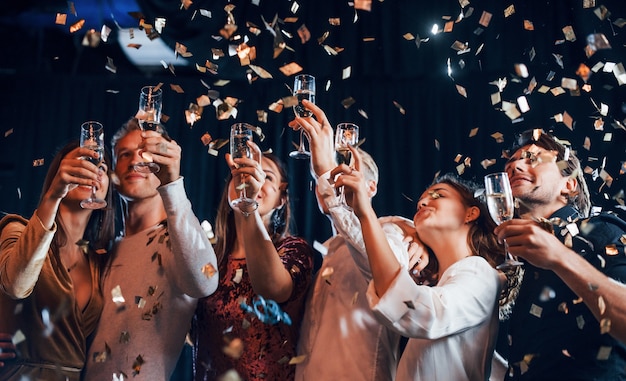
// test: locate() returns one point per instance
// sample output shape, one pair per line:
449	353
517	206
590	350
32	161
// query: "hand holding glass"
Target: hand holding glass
92	137
240	135
149	117
346	134
501	208
303	88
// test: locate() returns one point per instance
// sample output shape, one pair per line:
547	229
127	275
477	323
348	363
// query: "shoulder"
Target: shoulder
12	219
602	229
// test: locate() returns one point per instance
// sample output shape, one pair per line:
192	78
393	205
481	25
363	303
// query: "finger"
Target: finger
357	157
320	116
229	160
256	150
340	170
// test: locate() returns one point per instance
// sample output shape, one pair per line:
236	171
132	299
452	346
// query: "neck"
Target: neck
529	210
142	214
449	248
74	222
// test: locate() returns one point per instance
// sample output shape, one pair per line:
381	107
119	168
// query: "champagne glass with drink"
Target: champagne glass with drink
149	117
346	134
501	208
303	88
92	137
240	135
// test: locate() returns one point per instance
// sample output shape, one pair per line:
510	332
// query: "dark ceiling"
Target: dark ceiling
430	90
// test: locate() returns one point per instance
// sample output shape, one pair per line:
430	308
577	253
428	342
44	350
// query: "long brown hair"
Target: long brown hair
100	230
280	221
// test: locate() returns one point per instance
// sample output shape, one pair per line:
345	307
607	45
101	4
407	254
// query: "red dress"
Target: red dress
256	350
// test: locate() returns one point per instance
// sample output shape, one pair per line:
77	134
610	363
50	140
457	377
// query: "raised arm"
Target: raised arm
383	263
195	261
604	296
268	275
24	244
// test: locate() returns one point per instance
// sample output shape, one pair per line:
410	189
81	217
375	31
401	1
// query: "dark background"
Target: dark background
50	83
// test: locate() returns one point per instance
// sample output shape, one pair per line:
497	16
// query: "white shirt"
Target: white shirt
453	325
340	336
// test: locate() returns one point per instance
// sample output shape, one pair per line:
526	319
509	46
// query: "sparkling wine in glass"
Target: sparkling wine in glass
240	135
346	134
149	118
92	137
501	208
303	88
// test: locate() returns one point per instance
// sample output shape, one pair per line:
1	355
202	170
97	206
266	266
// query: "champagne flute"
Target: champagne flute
303	88
92	137
501	208
240	134
346	134
149	117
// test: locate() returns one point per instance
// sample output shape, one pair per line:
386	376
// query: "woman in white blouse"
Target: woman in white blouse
451	313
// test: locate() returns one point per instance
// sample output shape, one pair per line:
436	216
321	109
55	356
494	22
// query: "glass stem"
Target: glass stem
301	146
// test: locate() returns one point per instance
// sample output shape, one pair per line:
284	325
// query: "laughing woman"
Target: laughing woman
50	298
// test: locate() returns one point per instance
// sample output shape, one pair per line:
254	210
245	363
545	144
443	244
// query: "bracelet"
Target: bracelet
250	208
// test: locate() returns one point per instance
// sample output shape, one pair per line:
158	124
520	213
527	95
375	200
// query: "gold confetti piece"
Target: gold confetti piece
528	25
602	12
117	296
461	90
61	19
437	145
304	34
110	66
348	102
334	21
460	169
495	99
346	72
408	36
595	42
38	162
209	270
604	353
509	11
297	360
611	250
399	107
234	348
77	26
364	5
485	19
487	163
522	102
568	31
137	365
327	274
354	298
8	132
605	326
290	69
238	276
589	3
261	116
363	113
206	138
536	310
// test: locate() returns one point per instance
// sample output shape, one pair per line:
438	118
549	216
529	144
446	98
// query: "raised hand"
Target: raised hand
74	171
165	152
320	134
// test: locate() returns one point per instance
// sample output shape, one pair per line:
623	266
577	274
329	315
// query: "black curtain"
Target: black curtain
422	109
